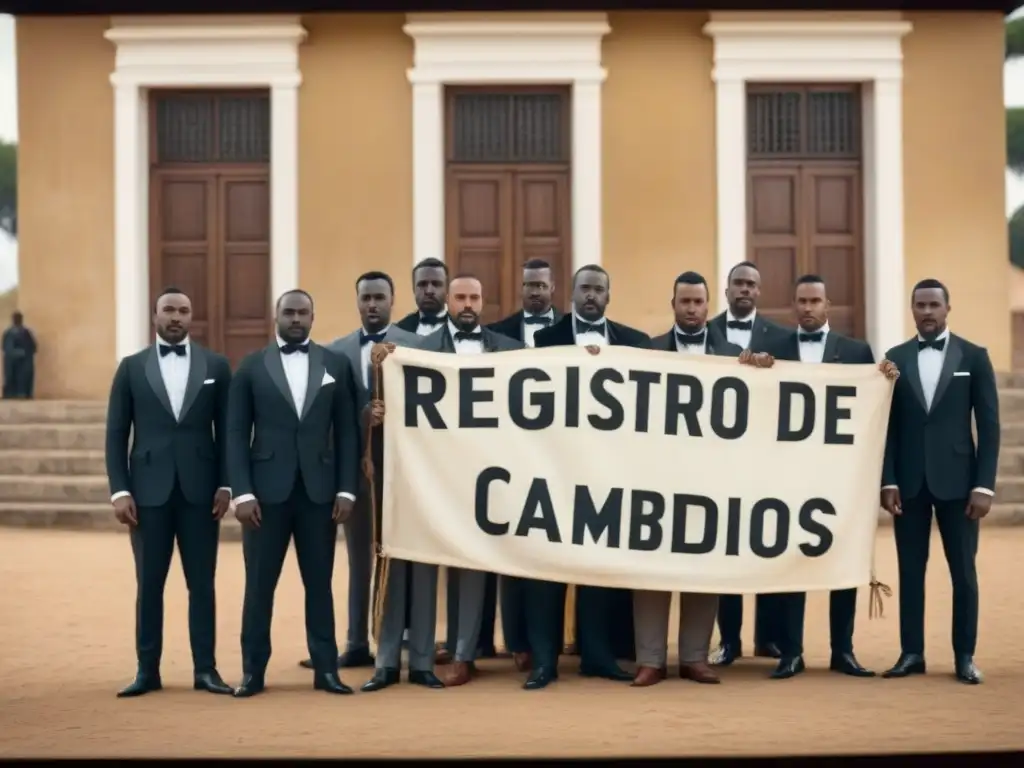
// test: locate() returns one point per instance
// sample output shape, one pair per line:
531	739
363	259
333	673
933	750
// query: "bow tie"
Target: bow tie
371	338
814	336
430	320
691	339
469	336
178	349
740	325
537	320
584	327
288	349
937	344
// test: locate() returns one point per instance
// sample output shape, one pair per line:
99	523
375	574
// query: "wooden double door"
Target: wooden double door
210	213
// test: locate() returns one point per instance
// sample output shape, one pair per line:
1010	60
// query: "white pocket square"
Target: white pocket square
209	381
961	373
328	379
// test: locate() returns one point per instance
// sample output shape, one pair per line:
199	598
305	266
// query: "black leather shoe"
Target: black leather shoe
767	651
249	687
789	666
357	657
331	683
613	672
847	664
966	672
211	681
426	678
725	654
906	665
539	678
141	685
382	678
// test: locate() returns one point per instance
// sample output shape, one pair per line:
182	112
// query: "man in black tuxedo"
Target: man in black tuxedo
537	313
815	342
742	325
463	335
165	452
690	336
604	617
932	465
293	458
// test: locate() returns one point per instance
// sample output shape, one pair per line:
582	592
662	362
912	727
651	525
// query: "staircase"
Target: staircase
52	470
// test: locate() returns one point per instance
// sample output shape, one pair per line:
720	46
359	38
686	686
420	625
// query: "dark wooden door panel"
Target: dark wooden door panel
543	216
774	212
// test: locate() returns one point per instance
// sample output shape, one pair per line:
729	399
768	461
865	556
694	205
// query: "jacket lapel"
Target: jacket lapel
156	381
316	377
272	360
954	354
912	372
831	354
447	344
196	377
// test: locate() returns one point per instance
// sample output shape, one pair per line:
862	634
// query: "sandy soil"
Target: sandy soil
66	647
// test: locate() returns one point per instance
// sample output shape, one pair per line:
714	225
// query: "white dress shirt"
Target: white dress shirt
364	352
174	372
425	329
736	336
691	349
813	351
530	330
929	366
466	346
296	371
589	338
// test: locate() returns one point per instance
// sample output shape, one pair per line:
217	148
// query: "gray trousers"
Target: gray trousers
472	587
422	621
359	542
696	622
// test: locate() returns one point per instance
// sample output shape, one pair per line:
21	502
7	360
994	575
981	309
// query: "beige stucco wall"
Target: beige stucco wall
355	173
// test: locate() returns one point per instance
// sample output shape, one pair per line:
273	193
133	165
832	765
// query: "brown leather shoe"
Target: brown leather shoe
699	672
460	674
647	676
524	662
441	655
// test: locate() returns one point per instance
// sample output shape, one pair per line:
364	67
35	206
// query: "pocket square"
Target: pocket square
961	373
328	379
209	381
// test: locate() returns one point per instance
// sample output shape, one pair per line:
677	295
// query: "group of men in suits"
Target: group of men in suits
282	438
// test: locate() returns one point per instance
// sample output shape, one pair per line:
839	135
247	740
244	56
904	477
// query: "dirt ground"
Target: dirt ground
66	646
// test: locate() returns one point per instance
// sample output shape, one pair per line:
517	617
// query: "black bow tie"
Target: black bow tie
938	344
740	325
469	336
371	338
288	349
430	320
585	327
815	336
691	339
537	320
178	349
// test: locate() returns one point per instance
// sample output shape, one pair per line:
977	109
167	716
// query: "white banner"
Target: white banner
634	468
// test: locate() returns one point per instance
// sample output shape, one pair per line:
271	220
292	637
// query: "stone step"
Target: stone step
1011	461
1011	405
53	462
55	489
53	412
1010	490
1012	435
52	437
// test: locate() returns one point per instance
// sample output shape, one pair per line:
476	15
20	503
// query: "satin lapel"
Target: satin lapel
489	340
351	348
912	373
316	377
156	381
613	337
447	344
954	355
831	354
196	377
272	360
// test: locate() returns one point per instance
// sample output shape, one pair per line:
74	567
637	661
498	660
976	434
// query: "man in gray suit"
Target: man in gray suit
690	336
463	335
375	298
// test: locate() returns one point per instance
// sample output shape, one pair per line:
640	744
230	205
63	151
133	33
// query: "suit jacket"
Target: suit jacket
934	448
561	334
838	349
191	449
513	326
765	334
271	445
493	342
716	343
411	322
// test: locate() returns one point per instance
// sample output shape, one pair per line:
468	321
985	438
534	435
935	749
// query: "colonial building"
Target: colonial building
240	156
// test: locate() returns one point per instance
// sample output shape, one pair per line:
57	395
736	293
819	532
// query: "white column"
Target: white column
885	293
284	186
587	220
131	237
731	169
428	185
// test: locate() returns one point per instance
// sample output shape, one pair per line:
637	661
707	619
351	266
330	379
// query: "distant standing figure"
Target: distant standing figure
19	360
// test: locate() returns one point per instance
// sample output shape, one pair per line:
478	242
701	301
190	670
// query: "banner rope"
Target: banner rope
878	591
381	563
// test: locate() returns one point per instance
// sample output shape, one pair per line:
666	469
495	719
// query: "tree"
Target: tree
8	180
